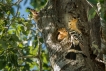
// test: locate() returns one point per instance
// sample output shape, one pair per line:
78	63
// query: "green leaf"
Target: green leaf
101	1
13	59
12	11
20	45
11	31
46	67
41	40
104	17
44	57
27	67
93	1
33	64
1	21
3	44
29	60
2	62
36	44
91	14
14	37
33	50
9	64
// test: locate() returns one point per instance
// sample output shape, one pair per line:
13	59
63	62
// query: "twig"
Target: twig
17	2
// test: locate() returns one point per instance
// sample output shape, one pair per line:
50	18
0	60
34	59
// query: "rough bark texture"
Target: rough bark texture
57	14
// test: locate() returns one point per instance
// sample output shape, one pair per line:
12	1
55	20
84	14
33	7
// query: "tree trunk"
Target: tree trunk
57	14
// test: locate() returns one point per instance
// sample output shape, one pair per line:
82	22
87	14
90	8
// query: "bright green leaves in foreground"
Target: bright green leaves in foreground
21	46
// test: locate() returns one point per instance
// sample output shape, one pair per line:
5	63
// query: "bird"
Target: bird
35	14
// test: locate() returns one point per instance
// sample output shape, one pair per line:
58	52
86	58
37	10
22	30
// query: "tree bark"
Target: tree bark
56	14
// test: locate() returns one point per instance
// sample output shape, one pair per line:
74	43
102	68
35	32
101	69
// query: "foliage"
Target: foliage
98	7
21	46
